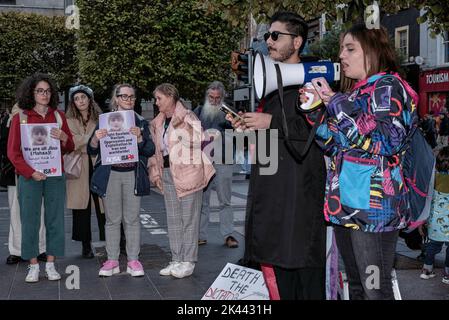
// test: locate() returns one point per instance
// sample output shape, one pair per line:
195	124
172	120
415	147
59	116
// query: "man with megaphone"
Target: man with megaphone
285	231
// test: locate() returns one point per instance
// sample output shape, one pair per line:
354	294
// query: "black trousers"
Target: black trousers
301	284
81	225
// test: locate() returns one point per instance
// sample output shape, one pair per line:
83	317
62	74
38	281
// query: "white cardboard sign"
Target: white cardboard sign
237	283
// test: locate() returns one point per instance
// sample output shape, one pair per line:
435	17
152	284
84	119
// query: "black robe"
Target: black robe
285	224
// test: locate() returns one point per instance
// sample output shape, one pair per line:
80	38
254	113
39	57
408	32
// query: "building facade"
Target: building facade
44	7
434	75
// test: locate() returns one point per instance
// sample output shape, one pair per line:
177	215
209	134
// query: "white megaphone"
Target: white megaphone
265	79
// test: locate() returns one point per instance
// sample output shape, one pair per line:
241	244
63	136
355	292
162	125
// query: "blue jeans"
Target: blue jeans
368	259
432	249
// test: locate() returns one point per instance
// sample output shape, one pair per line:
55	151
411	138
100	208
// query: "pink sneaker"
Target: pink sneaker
109	268
135	268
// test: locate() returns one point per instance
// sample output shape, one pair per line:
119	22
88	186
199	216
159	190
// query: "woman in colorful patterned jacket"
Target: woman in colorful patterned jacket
363	134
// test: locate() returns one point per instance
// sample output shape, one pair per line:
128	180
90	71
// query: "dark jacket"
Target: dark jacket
444	125
285	225
100	177
219	123
7	174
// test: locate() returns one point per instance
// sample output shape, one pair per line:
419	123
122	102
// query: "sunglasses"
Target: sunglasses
275	35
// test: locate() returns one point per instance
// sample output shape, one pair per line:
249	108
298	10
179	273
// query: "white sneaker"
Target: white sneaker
51	272
167	270
33	273
184	269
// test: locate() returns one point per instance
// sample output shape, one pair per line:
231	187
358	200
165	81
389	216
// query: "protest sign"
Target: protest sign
238	283
120	145
40	151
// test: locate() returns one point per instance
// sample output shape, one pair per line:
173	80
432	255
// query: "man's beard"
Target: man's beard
210	111
284	53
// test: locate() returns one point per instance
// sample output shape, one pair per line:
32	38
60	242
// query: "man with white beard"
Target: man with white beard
212	118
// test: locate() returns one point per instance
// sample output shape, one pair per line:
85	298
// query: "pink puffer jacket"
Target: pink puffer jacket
190	168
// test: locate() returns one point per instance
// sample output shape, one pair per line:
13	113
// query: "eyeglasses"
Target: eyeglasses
125	97
42	91
275	35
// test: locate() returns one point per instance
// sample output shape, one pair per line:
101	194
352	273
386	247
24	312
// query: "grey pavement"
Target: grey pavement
155	254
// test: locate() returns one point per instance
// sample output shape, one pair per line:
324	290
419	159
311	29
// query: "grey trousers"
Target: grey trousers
223	184
121	205
183	218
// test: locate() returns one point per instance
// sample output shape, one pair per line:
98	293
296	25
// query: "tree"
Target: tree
237	11
436	14
33	43
145	45
328	47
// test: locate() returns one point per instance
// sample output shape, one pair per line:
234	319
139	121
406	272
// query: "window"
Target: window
11	2
446	47
68	3
401	41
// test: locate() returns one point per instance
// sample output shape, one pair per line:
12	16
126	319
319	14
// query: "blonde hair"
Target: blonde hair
169	90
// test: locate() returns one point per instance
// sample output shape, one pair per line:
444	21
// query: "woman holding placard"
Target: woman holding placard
121	185
37	97
82	117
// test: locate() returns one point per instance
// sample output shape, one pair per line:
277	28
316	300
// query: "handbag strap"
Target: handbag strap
299	156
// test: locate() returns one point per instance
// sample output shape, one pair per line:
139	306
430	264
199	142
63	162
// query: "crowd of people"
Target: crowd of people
436	128
360	192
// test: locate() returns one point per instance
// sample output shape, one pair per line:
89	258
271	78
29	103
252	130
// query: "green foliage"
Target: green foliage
328	46
33	43
146	45
436	14
349	11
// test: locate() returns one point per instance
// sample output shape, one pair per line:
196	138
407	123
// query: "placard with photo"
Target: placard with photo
120	145
40	151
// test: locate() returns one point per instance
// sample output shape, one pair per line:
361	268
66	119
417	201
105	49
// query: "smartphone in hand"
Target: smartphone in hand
228	110
320	84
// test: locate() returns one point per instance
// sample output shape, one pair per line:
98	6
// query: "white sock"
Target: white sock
49	264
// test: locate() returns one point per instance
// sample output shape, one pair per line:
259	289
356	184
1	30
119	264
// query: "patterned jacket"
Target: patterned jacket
363	135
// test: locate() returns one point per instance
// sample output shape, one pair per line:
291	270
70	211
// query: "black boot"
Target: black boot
12	259
122	240
87	250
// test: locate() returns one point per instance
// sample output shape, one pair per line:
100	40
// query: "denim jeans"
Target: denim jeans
432	249
368	259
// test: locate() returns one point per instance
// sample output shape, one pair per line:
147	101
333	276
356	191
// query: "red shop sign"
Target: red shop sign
435	80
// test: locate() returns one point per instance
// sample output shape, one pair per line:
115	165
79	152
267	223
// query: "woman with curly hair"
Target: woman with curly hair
37	97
